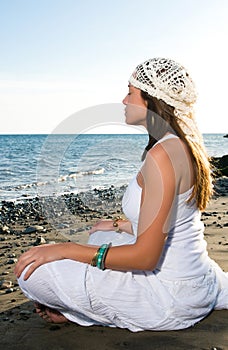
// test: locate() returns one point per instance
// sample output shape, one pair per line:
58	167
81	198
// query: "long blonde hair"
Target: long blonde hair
203	188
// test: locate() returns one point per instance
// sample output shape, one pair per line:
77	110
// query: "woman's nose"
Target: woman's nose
125	100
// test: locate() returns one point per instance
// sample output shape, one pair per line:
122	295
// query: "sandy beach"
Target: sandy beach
23	226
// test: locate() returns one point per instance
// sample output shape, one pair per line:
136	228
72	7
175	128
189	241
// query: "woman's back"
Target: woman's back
184	254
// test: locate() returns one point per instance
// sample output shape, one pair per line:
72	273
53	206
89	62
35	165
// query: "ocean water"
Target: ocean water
43	165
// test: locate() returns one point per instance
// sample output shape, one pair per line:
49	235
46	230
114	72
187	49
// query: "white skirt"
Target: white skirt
134	300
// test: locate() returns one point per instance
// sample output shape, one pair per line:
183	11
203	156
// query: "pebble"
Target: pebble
62	225
25	314
205	213
33	229
9	290
12	255
40	240
5	319
6	246
12	261
6	284
4	229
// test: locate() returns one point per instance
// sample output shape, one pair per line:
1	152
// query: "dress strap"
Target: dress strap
167	137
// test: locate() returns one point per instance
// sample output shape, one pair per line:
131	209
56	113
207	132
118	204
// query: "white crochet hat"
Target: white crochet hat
166	80
169	81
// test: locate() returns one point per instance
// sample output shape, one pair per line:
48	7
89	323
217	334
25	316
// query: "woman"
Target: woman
157	274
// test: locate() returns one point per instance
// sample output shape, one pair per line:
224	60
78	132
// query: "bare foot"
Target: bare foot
50	315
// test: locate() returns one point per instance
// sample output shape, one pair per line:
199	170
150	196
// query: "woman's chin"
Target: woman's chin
128	121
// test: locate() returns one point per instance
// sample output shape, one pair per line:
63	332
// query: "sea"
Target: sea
43	165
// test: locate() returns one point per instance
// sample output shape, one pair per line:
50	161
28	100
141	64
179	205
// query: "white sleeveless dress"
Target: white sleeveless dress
183	289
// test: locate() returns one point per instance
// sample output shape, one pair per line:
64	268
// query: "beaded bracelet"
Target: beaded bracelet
100	255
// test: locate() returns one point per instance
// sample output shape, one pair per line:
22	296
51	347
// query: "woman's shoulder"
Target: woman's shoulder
172	157
159	159
170	150
168	144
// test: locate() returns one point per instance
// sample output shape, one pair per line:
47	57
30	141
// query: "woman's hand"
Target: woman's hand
102	225
38	256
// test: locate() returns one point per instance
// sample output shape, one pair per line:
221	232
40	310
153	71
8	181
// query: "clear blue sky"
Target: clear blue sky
60	56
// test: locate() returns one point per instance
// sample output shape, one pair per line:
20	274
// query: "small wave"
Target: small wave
118	160
25	186
6	172
93	172
62	178
76	174
46	162
34	184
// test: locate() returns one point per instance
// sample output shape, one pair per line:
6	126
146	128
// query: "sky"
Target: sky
59	57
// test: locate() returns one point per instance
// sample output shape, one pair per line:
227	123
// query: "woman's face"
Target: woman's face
136	107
